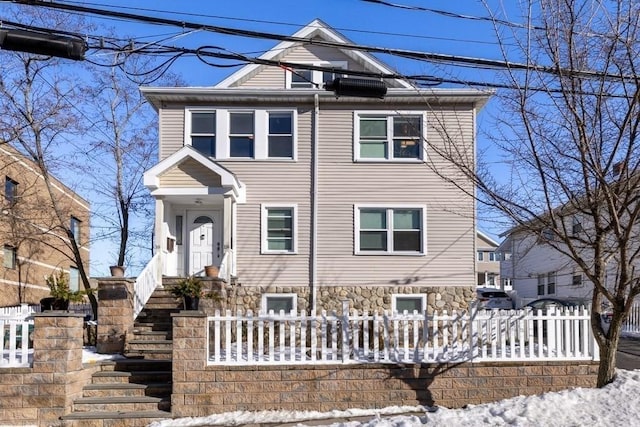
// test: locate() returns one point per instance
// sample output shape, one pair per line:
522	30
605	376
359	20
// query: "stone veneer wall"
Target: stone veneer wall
41	394
199	390
367	298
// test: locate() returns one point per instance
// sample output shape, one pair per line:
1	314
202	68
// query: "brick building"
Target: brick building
33	233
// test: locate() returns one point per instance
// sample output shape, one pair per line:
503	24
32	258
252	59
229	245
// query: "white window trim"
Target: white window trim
260	131
387	113
316	75
356	228
265	297
263	228
422	297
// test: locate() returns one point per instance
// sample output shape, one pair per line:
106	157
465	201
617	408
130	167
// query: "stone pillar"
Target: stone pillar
189	364
115	313
57	364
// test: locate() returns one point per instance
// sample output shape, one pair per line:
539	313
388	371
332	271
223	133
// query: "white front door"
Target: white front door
204	240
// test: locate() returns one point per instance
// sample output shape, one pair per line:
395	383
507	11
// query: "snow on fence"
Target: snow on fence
17	331
476	336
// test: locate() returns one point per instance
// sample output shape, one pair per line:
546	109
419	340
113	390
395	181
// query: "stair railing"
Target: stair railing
147	281
227	265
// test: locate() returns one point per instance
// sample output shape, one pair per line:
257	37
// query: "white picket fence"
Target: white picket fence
632	323
17	330
478	336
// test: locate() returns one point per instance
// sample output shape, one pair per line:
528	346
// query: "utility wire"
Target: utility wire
410	54
290	24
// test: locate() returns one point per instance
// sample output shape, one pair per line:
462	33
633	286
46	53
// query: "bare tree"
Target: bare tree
38	117
123	143
568	132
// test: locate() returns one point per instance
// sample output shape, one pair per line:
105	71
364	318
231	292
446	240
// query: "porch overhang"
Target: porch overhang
229	184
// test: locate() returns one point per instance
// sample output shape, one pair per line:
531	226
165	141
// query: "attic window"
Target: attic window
297	78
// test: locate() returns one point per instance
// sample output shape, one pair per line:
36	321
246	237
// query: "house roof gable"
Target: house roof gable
227	178
315	29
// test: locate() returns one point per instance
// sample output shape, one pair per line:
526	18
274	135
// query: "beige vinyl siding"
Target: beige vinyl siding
171	130
449	258
275	182
274	77
190	173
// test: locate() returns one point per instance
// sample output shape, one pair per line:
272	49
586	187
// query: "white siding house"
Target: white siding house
304	198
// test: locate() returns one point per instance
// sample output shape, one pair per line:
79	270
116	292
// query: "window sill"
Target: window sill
251	159
410	161
278	253
378	253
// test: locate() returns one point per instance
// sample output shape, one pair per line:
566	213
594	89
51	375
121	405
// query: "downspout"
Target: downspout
314	204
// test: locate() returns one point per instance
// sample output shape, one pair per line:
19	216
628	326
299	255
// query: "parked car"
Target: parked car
545	304
489	299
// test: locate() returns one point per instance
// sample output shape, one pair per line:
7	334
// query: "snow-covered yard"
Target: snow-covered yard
617	404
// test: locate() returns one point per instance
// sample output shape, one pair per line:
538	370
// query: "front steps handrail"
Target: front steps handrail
148	280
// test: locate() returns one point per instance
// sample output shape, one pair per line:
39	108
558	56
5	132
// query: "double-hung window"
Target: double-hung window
10	190
74	279
389	230
241	134
389	137
10	257
541	284
551	283
280	136
279	223
261	133
74	226
203	132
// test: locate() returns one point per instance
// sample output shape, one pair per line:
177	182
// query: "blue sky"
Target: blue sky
363	22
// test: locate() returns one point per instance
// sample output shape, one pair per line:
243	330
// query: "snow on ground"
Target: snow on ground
617	404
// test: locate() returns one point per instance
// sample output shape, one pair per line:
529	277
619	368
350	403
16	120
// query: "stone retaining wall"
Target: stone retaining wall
199	390
41	394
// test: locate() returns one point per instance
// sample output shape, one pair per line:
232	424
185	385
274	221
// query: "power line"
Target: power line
290	24
410	54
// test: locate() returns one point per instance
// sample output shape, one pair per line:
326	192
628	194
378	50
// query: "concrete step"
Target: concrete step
164	354
122	404
115	418
136	364
135	377
150	335
152	327
146	346
127	390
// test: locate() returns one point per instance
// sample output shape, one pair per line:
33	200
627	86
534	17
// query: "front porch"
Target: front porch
195	220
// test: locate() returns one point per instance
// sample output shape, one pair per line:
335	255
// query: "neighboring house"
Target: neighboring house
537	270
305	198
34	246
488	262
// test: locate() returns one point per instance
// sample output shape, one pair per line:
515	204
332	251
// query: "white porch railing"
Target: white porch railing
147	281
19	311
16	345
227	267
298	338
